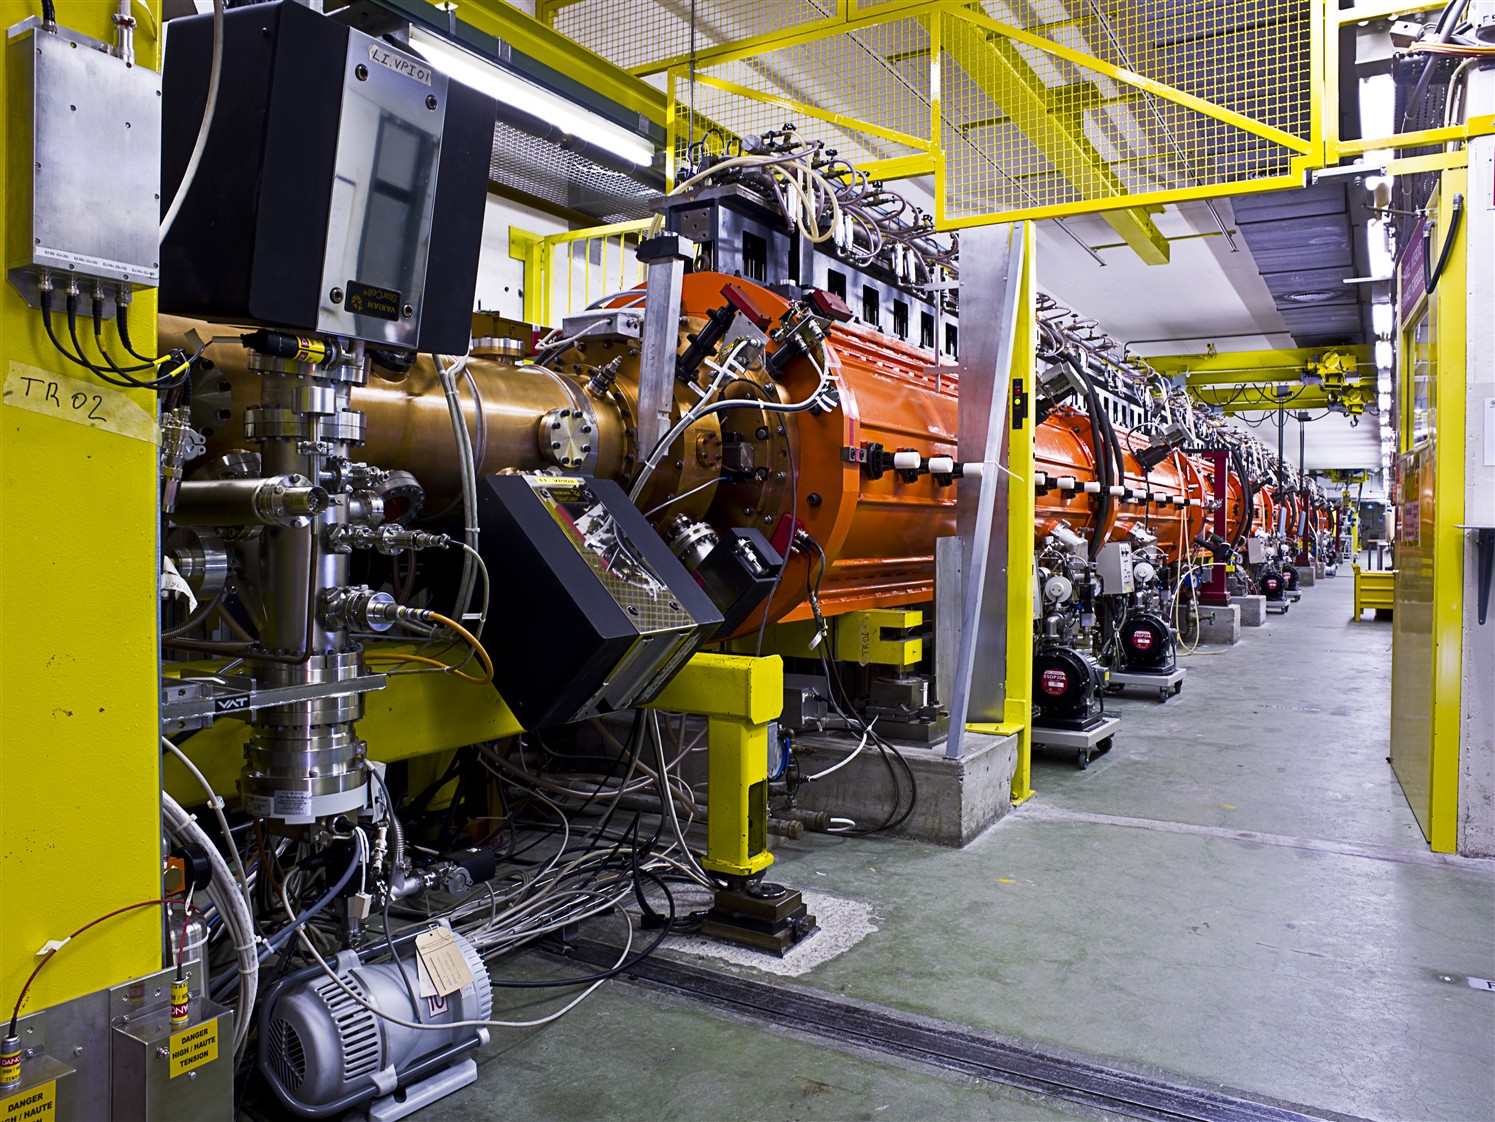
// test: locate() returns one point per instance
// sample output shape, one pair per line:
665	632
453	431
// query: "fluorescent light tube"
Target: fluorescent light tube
515	91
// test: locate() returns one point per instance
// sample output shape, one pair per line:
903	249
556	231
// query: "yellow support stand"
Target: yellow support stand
738	695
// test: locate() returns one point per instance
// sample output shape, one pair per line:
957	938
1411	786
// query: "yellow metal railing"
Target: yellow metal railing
563	273
1016	115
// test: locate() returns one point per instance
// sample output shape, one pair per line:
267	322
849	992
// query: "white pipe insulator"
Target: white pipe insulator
1066	483
941	465
1040	479
906	461
1117	492
972	469
1092	488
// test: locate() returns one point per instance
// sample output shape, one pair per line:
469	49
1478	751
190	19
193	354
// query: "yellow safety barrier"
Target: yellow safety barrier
1374	589
597	261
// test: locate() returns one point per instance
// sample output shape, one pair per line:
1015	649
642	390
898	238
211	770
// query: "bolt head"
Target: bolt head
336	296
431	101
361	72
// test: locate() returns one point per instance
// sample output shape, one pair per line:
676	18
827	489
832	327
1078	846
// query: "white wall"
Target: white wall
1332	442
579	274
500	277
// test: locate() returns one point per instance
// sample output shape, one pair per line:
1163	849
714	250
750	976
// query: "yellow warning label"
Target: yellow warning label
193	1047
35	1104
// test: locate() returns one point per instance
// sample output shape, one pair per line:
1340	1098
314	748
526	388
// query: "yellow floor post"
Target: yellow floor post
738	695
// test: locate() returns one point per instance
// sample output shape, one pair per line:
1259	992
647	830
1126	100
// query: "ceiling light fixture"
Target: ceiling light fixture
512	90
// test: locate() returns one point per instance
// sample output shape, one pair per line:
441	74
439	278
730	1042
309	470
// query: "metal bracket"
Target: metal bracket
666	256
195	703
995	278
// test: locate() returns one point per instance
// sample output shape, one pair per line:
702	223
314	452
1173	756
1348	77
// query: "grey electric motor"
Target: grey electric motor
324	1052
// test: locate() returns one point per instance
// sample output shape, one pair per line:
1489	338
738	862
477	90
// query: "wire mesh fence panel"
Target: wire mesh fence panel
634	35
1027	128
876	79
1032	107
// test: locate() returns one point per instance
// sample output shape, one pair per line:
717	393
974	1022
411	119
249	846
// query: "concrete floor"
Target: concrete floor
1237	894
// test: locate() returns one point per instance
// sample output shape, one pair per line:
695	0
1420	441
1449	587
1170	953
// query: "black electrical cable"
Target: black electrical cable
888	753
122	326
1441	34
394	954
78	358
1250	497
1104	466
49	12
1433	273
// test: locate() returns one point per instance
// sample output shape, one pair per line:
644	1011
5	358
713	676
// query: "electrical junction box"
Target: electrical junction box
592	585
1113	564
165	1072
46	1092
1256	551
342	188
83	166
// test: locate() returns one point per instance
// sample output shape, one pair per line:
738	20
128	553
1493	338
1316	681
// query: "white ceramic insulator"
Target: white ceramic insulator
1092	488
1117	492
1066	483
941	465
972	469
906	461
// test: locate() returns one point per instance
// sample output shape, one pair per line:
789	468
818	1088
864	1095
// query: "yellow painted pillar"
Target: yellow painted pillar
1018	712
79	757
738	695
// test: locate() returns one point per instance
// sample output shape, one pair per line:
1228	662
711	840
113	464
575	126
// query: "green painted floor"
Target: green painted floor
1237	894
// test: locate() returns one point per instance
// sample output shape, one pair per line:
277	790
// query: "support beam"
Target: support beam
1281	364
1022	95
738	695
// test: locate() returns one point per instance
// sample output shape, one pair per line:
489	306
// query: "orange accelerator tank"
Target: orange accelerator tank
1065	449
1264	514
878	534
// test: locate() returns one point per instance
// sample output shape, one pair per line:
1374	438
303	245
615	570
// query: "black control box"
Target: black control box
342	187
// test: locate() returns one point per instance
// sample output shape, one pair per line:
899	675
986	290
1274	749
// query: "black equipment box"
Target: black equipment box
583	576
342	188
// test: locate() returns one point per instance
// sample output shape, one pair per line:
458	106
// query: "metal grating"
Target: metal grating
1026	129
546	171
1042	105
876	76
633	34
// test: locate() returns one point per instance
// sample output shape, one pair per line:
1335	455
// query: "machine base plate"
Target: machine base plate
1086	744
1166	682
769	917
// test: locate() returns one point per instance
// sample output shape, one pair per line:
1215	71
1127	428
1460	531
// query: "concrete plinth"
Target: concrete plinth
1220	624
1318	569
957	798
1253	610
1307	576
